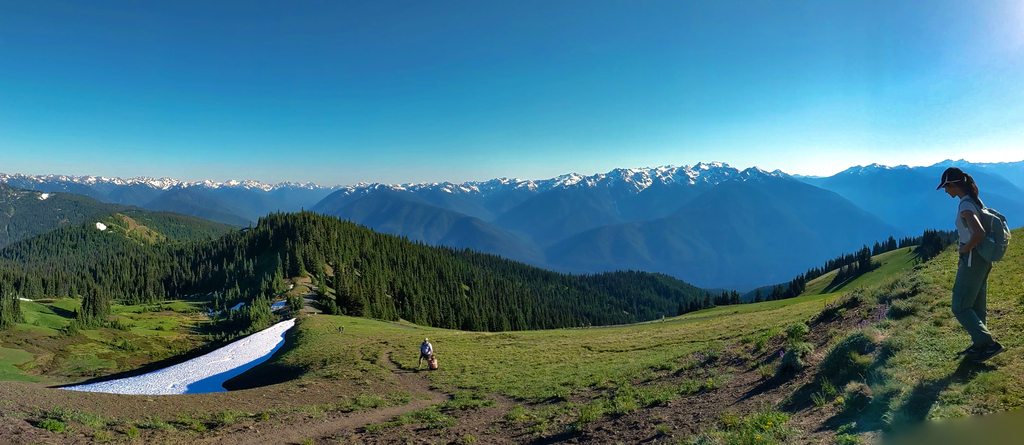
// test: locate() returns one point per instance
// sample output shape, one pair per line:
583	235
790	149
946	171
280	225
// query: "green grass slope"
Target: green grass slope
537	365
917	375
42	349
899	313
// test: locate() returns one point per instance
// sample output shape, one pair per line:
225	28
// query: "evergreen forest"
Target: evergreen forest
358	271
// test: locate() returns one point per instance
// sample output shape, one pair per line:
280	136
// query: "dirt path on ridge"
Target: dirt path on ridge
334	424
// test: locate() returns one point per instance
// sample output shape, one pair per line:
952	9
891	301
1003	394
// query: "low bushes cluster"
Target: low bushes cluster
793	358
766	427
848	359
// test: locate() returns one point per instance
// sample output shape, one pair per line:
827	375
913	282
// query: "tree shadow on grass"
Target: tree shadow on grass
61	312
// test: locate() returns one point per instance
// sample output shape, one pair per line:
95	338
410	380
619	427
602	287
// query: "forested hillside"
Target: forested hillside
27	213
360	272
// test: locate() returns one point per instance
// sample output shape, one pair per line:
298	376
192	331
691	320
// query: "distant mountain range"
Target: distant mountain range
231	202
710	224
906	198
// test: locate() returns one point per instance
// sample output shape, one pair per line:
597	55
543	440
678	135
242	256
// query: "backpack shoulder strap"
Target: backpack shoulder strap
977	206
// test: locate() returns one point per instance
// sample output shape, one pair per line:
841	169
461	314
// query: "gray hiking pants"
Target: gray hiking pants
969	294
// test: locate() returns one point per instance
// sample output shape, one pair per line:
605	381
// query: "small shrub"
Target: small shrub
518	414
903	308
69	415
793	360
763	427
765	371
897	288
856	396
307	442
797	332
729	420
663	429
119	325
624	403
818	399
363	401
845	436
762	339
154	423
101	436
132	432
72	328
760	343
52	425
591	411
828	388
468	439
690	386
847	360
127	346
710	383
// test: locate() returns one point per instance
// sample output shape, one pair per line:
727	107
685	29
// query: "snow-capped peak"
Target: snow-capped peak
156	183
631	180
871	168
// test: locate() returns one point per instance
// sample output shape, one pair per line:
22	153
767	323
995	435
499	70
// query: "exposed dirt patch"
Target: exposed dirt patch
331	428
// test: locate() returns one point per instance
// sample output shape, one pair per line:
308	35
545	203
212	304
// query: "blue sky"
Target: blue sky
338	92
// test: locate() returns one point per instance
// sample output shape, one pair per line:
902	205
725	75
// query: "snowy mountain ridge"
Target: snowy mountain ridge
157	183
635	179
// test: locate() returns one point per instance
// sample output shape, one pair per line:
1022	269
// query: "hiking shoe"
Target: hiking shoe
971	350
988	352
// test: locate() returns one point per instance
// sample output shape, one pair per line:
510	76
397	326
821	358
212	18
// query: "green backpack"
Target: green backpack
997	233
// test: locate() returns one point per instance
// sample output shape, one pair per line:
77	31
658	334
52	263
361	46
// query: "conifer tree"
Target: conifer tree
95	306
10	307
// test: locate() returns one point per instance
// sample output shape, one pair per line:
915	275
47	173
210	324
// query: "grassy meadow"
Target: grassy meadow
905	371
44	349
884	356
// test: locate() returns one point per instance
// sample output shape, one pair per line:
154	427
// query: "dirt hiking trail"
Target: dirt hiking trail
335	424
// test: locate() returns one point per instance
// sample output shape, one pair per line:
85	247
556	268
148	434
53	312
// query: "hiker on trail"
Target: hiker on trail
426	352
971	286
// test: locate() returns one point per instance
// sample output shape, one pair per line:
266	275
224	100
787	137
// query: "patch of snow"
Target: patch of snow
44	196
204	374
237	306
101	226
24	299
277	306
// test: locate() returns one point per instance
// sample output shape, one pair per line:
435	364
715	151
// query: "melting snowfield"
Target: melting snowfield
203	374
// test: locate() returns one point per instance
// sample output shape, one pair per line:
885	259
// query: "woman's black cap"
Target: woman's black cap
952	175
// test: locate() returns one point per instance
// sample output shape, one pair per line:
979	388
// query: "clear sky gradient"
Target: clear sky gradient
342	92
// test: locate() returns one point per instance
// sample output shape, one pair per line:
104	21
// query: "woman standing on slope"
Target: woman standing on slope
971	286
